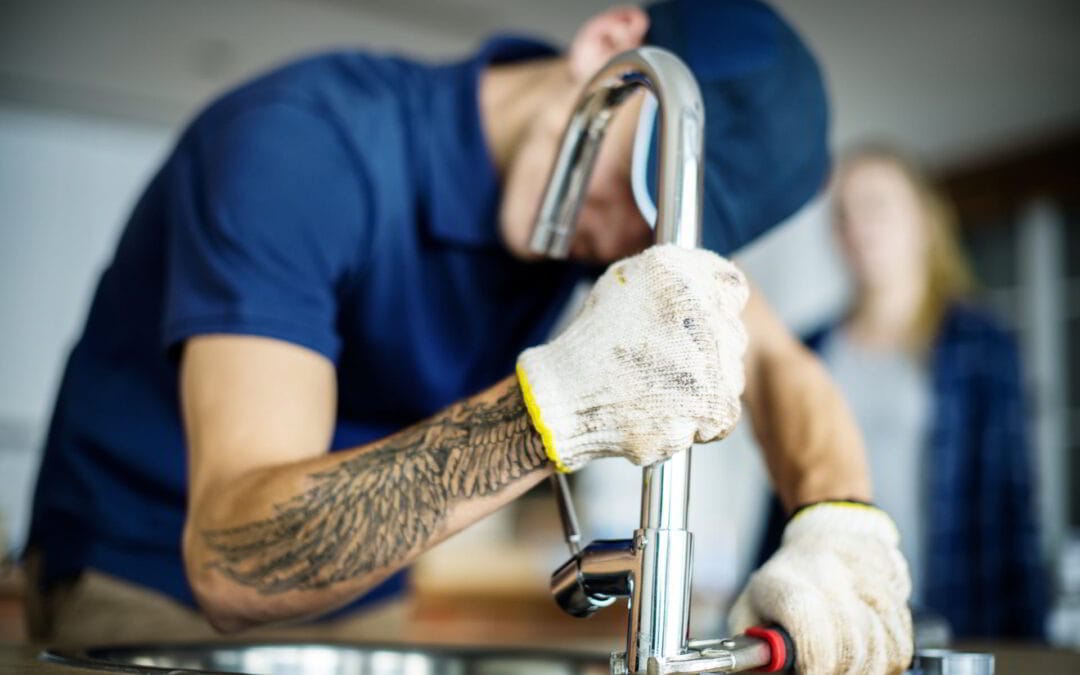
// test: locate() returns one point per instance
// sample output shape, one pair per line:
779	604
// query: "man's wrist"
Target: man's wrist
848	517
543	431
856	503
832	480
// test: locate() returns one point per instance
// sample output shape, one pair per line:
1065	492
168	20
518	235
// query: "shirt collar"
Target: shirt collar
463	185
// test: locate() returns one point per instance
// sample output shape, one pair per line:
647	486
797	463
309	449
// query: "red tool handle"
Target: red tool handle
781	647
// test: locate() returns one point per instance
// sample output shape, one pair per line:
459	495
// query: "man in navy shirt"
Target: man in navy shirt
297	372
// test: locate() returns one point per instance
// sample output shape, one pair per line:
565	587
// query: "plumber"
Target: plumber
323	345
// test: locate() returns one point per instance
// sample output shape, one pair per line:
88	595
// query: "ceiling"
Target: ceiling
948	79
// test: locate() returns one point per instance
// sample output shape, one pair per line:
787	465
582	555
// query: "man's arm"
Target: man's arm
815	455
278	529
812	446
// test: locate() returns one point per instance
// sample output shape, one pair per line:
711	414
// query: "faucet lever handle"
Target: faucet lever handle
567	514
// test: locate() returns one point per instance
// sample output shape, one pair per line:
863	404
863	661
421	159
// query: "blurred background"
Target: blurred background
985	92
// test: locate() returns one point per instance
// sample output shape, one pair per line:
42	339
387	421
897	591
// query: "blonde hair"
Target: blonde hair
948	273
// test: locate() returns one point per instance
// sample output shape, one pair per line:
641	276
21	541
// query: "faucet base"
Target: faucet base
728	655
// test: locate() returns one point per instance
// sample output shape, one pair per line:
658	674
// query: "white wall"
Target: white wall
161	59
947	80
67	182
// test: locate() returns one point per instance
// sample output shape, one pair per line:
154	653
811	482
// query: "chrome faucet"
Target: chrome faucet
653	568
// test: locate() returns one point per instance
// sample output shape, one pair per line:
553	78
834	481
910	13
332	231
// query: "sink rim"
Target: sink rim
90	657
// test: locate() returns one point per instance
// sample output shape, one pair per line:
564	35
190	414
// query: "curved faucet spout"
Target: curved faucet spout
680	157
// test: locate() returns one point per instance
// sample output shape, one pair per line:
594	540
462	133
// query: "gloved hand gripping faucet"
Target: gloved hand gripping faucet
840	587
652	364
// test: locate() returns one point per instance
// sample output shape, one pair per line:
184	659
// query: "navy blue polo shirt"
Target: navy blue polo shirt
346	203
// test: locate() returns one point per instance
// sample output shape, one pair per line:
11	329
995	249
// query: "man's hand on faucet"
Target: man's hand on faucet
651	365
839	585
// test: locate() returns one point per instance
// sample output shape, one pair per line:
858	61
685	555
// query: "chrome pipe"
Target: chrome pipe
663	548
660	603
665	494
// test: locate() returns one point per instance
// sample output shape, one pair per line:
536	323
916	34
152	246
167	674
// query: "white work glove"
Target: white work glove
651	365
840	587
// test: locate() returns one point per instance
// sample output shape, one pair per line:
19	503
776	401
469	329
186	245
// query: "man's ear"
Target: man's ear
605	35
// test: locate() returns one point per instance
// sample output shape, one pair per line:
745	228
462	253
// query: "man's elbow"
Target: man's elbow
218	598
216	602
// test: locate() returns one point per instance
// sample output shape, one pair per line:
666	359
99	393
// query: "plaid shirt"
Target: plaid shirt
983	568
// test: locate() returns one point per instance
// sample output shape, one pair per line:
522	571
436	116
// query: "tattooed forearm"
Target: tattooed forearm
371	511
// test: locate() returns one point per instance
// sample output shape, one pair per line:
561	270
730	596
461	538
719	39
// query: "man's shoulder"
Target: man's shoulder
346	89
350	72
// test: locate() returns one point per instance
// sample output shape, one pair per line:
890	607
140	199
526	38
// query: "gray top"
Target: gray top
889	393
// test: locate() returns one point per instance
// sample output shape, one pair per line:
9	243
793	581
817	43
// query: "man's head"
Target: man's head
765	125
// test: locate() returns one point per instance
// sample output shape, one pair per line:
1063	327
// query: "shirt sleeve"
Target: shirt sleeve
267	222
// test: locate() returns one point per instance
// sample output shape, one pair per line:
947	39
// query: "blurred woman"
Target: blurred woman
936	386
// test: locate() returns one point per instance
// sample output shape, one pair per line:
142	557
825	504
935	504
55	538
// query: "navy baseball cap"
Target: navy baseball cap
766	116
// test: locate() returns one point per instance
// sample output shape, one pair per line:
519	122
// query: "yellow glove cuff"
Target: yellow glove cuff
538	421
843	513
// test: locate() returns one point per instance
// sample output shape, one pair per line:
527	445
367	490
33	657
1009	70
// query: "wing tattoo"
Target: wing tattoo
371	511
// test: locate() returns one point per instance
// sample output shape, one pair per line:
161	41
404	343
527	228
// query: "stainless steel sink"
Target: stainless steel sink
327	659
353	659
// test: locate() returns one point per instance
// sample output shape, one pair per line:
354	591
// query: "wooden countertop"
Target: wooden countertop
23	659
1022	659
